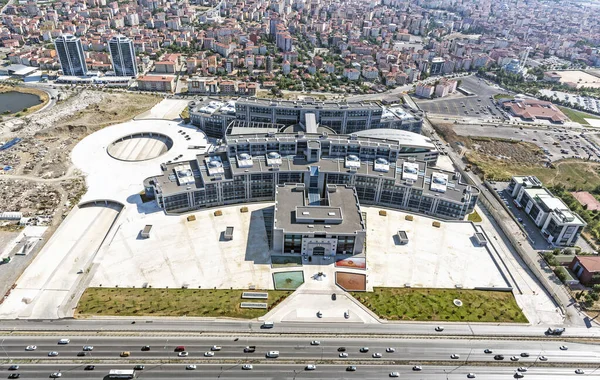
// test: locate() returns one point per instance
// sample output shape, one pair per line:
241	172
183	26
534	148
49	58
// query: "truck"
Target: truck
121	374
250	349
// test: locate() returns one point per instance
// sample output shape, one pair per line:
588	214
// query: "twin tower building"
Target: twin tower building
72	57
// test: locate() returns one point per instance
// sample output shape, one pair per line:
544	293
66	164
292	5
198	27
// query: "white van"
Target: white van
64	341
267	325
273	354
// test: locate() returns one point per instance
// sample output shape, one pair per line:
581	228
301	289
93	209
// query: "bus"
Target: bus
121	374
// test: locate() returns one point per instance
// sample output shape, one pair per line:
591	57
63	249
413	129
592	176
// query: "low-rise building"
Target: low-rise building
445	87
557	223
424	90
156	83
532	110
587	269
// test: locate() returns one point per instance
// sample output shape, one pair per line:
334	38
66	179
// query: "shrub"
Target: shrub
561	273
550	259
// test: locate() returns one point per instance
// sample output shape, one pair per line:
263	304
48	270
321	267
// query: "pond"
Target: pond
14	101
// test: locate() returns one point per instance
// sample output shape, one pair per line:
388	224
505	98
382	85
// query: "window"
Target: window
345	243
292	243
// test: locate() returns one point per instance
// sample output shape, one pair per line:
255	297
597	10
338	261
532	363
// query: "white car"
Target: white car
52	353
579	371
190	366
455	356
439	328
247	366
55	375
471	375
417	368
209	354
394	374
88	348
343	354
390	349
30	348
315	343
564	348
522	369
215	348
310	367
543	358
377	355
514	358
183	354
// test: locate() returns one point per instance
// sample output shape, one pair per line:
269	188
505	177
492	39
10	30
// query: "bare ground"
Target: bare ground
42	182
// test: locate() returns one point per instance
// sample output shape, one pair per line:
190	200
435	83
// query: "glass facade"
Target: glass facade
345	243
291	243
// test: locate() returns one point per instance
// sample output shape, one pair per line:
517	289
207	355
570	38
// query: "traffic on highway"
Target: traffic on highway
156	357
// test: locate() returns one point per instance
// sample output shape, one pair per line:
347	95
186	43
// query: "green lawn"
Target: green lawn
171	302
437	305
572	174
577	116
503	96
474	217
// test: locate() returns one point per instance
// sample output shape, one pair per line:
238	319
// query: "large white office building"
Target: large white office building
214	116
122	55
248	168
557	223
71	55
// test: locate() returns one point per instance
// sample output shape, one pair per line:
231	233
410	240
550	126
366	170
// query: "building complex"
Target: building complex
248	168
558	224
214	117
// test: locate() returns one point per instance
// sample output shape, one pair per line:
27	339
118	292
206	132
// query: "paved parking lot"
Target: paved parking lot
443	257
479	105
556	143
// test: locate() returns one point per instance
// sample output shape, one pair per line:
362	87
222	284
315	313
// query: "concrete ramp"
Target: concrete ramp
62	265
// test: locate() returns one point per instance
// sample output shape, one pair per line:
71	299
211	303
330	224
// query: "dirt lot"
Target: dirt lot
41	175
499	159
582	78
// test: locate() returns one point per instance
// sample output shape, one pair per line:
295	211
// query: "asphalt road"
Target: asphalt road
200	325
298	371
12	349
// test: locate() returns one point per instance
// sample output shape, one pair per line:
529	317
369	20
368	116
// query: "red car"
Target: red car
179	348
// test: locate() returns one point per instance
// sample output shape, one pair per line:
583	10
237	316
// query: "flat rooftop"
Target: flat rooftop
342	204
422	179
307	104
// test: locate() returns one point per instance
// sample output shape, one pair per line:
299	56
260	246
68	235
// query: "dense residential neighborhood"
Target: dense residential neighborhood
350	46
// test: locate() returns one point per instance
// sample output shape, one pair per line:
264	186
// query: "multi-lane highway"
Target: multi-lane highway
408	350
543	359
299	371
